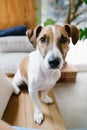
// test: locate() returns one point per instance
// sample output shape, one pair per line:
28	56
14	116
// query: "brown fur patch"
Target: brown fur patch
60	30
24	67
49	38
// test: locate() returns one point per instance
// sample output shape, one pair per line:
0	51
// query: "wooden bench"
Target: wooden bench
19	112
69	73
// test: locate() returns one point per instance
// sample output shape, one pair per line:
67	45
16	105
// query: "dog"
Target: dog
42	68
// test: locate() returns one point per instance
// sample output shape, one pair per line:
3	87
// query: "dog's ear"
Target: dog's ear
73	32
33	34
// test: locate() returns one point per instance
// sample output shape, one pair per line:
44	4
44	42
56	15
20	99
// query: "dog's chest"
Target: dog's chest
44	80
48	80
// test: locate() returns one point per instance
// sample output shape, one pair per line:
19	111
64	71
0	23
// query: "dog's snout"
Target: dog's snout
54	62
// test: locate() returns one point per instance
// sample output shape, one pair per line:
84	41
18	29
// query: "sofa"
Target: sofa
12	51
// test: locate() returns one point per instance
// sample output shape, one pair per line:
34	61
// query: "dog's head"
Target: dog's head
52	41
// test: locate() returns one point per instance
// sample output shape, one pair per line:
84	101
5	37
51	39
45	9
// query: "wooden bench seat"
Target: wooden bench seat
69	73
19	112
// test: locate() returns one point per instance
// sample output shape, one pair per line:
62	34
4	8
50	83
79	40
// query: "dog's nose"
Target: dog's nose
54	62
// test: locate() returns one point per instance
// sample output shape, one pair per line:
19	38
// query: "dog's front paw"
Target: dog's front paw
47	100
38	117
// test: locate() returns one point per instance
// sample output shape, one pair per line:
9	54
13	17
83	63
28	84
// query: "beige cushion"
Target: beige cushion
9	62
15	44
6	90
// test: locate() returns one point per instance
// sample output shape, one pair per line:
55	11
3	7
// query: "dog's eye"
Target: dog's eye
63	39
43	39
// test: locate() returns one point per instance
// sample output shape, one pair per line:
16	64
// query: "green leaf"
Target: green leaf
83	33
49	22
85	1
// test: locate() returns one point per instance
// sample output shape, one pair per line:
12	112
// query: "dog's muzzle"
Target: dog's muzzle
54	62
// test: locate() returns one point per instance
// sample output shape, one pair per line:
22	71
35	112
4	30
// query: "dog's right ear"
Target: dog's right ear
33	34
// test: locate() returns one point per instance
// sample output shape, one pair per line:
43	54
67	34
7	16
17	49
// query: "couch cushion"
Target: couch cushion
9	62
6	90
15	44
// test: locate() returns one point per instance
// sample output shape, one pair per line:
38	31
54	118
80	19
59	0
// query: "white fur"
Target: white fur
40	78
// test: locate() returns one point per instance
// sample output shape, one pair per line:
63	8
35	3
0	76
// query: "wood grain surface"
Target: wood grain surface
17	12
19	112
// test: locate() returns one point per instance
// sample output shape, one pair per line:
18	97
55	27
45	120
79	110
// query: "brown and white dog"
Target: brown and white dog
42	67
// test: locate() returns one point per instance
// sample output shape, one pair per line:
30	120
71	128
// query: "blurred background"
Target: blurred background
65	11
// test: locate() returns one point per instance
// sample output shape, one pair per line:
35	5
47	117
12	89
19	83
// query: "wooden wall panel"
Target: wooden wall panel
17	12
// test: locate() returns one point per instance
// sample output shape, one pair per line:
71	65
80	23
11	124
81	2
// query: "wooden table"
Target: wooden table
19	112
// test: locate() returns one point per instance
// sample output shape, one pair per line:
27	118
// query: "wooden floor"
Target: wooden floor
19	112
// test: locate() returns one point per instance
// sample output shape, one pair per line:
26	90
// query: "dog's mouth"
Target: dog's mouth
54	67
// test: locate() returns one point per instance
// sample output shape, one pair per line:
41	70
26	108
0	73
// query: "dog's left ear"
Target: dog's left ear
73	32
33	34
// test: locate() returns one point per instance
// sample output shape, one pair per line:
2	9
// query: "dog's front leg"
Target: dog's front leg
38	115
